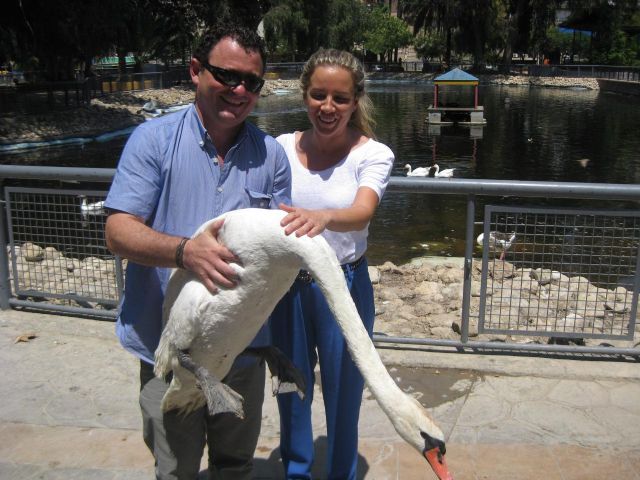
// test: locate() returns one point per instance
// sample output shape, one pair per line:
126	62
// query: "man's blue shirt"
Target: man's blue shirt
168	175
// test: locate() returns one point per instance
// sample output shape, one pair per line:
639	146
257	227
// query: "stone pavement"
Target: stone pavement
69	410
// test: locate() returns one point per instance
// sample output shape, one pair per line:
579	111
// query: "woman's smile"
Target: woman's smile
330	99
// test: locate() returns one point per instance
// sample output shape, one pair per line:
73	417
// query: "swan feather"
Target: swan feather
215	328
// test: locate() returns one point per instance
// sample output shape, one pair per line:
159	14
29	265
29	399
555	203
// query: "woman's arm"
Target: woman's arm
313	222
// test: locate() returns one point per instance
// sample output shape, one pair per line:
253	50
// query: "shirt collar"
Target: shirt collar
203	136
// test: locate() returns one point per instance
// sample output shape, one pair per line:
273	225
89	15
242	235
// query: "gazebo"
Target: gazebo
447	113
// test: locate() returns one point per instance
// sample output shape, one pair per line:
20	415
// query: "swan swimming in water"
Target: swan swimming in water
498	240
434	171
203	333
418	172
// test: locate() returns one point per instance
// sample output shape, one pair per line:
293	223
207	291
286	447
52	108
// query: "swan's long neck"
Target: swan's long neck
330	279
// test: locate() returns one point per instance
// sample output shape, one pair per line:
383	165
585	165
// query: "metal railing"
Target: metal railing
575	307
546	271
56	258
611	72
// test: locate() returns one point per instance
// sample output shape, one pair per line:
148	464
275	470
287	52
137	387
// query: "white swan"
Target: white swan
91	209
498	240
418	172
208	331
434	171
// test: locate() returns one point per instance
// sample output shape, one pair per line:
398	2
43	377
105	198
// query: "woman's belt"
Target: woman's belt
305	277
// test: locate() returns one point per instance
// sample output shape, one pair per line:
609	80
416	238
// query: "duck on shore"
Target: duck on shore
498	241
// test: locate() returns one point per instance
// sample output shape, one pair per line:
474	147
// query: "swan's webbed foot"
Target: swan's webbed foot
289	377
220	397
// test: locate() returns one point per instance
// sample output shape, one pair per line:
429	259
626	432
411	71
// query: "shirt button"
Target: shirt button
220	189
201	143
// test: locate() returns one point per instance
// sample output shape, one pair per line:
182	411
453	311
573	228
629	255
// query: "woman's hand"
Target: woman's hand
304	222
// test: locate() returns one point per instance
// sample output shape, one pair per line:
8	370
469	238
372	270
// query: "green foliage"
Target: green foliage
56	37
557	44
347	24
623	50
384	32
430	45
284	24
607	20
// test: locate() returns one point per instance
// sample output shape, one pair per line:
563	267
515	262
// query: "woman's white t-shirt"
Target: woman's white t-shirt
368	165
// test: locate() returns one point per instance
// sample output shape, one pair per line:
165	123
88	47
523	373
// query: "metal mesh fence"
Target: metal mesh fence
559	272
57	248
566	273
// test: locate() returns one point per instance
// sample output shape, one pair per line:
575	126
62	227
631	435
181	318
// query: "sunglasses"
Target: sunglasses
231	78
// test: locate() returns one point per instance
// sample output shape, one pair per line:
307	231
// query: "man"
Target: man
176	172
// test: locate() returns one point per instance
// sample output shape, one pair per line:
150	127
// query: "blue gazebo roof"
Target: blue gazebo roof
456	76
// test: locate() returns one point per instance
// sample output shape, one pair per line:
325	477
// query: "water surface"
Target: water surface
531	134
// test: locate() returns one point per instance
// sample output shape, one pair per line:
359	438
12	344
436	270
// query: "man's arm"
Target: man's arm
128	236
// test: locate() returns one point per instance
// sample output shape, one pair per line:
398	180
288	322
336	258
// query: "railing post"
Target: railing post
5	287
468	266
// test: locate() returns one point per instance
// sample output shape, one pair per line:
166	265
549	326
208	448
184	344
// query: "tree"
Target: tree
318	34
347	24
477	29
284	24
542	20
438	15
54	37
297	28
385	33
607	21
430	45
515	11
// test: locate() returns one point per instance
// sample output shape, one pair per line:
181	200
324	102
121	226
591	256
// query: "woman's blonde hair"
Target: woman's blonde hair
362	118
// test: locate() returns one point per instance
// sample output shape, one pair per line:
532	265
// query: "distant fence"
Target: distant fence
627	73
27	97
36	97
572	274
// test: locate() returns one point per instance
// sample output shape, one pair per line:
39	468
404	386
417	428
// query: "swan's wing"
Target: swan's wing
182	307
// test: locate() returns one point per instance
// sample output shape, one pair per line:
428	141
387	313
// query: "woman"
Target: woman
339	174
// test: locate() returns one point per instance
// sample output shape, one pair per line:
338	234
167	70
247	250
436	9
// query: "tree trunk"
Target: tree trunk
478	49
447	52
122	62
512	34
87	66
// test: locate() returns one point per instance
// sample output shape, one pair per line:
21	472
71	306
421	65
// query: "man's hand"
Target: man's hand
304	222
209	259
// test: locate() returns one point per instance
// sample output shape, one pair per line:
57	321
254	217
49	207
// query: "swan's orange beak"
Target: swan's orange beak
438	463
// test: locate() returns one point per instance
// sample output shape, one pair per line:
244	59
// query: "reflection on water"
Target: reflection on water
531	134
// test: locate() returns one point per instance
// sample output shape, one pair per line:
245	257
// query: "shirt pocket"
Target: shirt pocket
259	199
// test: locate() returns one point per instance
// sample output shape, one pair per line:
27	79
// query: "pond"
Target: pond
531	134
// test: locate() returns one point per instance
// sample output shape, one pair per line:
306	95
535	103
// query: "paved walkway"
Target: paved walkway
69	411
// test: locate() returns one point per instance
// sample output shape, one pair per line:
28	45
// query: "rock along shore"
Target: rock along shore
421	299
121	110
